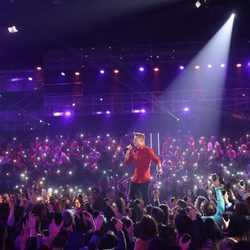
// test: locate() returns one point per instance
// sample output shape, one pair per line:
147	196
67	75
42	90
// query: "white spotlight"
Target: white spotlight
12	29
198	4
233	15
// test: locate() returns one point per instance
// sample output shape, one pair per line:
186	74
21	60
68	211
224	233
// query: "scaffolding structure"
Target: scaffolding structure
151	102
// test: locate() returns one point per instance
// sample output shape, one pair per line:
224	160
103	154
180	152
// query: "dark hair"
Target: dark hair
244	229
181	203
248	203
149	209
211	230
169	235
227	244
3	232
183	223
158	214
241	209
148	227
61	239
199	201
156	243
109	240
242	245
208	208
165	209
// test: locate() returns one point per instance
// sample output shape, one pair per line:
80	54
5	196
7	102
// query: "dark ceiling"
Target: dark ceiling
55	24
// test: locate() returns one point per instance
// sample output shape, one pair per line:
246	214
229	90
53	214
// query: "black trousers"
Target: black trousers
143	188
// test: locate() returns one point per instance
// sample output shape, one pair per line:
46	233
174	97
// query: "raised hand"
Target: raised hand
184	246
225	223
32	224
118	225
25	234
32	220
53	232
99	222
54	229
87	217
11	217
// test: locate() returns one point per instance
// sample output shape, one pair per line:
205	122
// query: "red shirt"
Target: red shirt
142	159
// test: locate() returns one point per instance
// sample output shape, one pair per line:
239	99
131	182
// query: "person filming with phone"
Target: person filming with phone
208	208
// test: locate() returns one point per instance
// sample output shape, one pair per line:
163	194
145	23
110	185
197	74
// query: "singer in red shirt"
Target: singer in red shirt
142	156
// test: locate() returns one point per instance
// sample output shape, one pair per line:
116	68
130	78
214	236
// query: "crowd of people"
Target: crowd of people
72	193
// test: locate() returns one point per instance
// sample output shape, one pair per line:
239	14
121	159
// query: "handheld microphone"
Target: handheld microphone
127	148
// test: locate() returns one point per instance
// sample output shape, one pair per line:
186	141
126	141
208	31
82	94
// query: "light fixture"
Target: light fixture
198	4
68	113
12	29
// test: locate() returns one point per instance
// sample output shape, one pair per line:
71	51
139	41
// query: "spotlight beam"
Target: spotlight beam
215	52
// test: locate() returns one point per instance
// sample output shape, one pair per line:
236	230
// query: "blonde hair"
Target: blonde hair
139	135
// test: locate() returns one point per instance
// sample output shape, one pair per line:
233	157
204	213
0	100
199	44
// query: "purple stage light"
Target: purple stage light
102	71
143	111
141	69
238	65
181	67
62	74
16	79
30	79
186	109
222	65
99	112
249	64
209	66
57	113
197	67
136	111
107	112
39	68
68	113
